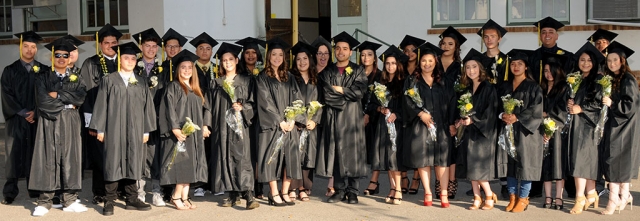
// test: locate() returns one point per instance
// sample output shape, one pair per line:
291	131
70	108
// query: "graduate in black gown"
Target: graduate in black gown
183	99
342	149
93	70
526	120
323	54
304	68
621	155
124	116
548	34
386	152
57	155
491	34
476	153
18	108
583	162
251	60
555	92
601	39
421	150
230	166
276	90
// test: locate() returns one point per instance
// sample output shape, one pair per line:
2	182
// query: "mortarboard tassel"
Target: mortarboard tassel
217	68
290	59
358	57
119	58
540	71
52	52
97	50
506	70
266	51
591	39
140	45
20	46
418	54
482	40
333	55
162	53
539	40
170	69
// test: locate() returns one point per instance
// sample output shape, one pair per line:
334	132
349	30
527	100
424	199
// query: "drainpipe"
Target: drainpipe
294	21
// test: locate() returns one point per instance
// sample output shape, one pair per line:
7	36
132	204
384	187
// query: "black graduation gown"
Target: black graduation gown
231	167
309	92
57	155
535	61
555	163
342	148
18	97
189	166
372	113
124	114
440	101
583	160
383	157
452	74
527	137
476	153
620	156
496	70
205	78
273	97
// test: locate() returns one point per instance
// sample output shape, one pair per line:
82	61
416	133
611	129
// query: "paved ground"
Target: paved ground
370	208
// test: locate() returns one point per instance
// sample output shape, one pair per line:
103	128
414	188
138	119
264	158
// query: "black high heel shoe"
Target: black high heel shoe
547	205
415	191
405	189
453	188
274	203
290	202
559	207
372	191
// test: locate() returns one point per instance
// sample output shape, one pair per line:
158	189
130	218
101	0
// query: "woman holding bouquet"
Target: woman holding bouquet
583	145
476	154
276	90
555	93
386	100
621	154
231	98
525	161
183	100
428	108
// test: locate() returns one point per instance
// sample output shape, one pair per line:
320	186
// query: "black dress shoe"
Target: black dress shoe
7	200
251	200
108	208
231	200
336	197
352	198
504	192
137	205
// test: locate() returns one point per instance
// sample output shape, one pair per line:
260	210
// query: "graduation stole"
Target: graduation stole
213	73
103	64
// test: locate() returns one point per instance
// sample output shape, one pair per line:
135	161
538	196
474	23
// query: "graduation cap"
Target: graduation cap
347	38
182	56
227	48
60	44
475	55
410	40
490	25
29	36
147	35
106	30
321	41
173	34
303	47
73	40
602	34
126	48
366	45
453	33
277	42
394	51
617	47
252	43
428	48
517	54
203	38
589	49
547	22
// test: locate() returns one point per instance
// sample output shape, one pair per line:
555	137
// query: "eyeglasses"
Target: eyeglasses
169	47
58	55
319	54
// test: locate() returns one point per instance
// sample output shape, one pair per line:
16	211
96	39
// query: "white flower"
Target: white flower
141	64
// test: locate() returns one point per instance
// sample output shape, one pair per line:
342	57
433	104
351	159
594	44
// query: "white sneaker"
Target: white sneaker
76	208
199	192
157	200
40	211
219	193
56	206
142	198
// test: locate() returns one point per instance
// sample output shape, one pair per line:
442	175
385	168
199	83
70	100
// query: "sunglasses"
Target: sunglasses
58	55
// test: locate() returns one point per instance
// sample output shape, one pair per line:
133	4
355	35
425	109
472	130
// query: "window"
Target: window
626	10
97	13
5	18
460	12
349	8
530	11
47	19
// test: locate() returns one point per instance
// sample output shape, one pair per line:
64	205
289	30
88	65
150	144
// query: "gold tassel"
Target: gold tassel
20	46
170	69
97	42
140	45
266	51
290	59
333	55
162	54
418	54
591	39
383	60
357	57
482	40
119	58
53	48
540	71
539	40
506	70
217	67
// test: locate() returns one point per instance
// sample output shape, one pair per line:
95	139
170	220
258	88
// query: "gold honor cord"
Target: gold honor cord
506	70
53	48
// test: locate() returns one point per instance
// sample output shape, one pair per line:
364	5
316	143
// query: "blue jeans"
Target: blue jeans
512	185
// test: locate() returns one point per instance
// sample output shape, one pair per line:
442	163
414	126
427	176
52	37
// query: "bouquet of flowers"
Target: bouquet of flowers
605	82
187	129
232	117
506	138
458	87
549	129
313	108
383	95
414	94
465	105
259	67
290	114
574	79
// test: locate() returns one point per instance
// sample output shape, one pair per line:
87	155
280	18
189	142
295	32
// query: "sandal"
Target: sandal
306	193
292	195
397	200
374	191
415	191
390	197
547	205
187	202
452	189
404	189
559	206
181	207
330	191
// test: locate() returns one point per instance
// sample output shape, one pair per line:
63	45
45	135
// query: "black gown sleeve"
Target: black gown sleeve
48	107
10	101
530	116
269	117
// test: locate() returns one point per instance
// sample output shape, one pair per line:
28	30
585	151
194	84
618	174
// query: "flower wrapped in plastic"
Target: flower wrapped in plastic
312	109
506	139
465	106
233	117
549	129
188	128
384	96
290	114
574	80
259	67
414	94
605	82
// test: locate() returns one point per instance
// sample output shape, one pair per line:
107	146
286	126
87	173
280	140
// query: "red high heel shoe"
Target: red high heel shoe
427	203
443	204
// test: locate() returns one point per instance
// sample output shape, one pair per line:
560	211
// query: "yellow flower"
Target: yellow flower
159	68
500	61
256	71
468	106
36	68
380	94
133	80
73	78
560	52
348	70
411	92
571	80
552	124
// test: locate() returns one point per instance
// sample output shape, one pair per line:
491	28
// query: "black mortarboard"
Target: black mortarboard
203	38
147	35
73	40
321	41
589	48
548	22
184	55
277	42
173	34
60	44
393	51
127	48
252	43
617	47
303	47
410	40
428	48
29	36
519	54
367	45
108	30
560	59
453	33
345	37
477	56
228	48
602	34
492	25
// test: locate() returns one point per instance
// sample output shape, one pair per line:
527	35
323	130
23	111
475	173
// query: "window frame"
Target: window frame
590	14
28	20
107	17
461	22
4	33
530	21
